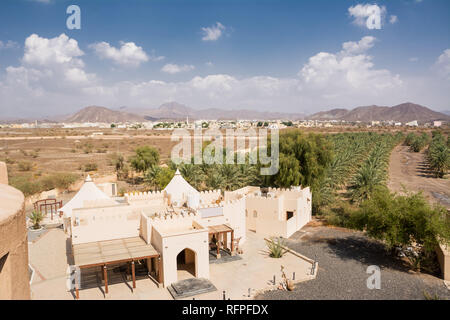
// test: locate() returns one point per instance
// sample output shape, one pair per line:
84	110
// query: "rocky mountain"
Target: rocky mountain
177	111
328	115
404	112
102	114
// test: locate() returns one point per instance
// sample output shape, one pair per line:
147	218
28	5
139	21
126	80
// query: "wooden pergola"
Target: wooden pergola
104	253
221	231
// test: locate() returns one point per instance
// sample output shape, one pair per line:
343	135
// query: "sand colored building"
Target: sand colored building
14	276
275	212
178	228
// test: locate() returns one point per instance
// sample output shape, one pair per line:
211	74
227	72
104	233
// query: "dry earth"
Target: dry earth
409	170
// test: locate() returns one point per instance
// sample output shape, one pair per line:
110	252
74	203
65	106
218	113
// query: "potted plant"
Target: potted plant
36	218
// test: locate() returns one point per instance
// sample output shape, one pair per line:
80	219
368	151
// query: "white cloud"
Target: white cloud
213	33
350	71
174	68
443	64
8	45
368	15
362	45
129	54
42	1
346	78
393	19
51	71
209	64
46	52
413	59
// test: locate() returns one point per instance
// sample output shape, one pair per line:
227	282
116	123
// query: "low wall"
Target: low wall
3	173
443	254
14	277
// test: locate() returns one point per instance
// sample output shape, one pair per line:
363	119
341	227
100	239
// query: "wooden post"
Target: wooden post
77	292
105	277
160	279
133	275
225	238
218	245
232	243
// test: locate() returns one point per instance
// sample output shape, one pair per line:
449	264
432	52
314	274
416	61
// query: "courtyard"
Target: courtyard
50	255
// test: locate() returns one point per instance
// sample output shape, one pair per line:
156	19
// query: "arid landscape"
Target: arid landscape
408	170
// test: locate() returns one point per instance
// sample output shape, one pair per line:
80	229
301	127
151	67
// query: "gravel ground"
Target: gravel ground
343	258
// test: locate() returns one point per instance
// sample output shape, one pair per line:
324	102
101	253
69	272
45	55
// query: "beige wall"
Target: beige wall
271	212
104	223
443	254
210	196
3	173
14	277
172	245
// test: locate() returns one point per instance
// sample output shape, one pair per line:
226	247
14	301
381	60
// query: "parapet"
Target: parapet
133	196
3	173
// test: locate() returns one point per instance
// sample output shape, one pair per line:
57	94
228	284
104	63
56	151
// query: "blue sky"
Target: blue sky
261	55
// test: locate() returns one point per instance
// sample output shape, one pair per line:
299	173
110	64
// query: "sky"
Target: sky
286	56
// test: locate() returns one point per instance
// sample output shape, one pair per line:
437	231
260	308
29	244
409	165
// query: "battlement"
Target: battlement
210	191
135	195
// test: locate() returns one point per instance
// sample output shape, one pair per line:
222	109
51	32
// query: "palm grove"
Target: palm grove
347	173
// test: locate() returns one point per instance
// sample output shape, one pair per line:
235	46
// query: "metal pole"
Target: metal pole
274	282
293	275
224	295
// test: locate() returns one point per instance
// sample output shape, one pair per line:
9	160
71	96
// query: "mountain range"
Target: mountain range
177	111
404	112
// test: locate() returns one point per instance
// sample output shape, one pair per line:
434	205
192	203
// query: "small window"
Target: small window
289	214
255	214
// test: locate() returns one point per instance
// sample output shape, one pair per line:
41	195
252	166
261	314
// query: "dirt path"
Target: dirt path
408	169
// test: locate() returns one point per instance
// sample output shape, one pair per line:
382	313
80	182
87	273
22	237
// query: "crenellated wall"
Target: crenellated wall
210	196
105	223
14	275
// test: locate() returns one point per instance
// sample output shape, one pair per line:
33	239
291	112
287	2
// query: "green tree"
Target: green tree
438	156
144	158
404	222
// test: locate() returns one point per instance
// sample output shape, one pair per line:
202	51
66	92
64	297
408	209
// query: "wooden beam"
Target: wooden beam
232	242
105	277
133	275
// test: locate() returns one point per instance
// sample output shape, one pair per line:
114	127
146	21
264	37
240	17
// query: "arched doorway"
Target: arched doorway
186	264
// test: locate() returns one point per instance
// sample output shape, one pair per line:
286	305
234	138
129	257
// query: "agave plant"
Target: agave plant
36	218
276	247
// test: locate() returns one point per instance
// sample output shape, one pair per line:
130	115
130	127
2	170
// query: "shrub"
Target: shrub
25	166
58	180
438	155
90	167
36	218
276	247
406	222
25	184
